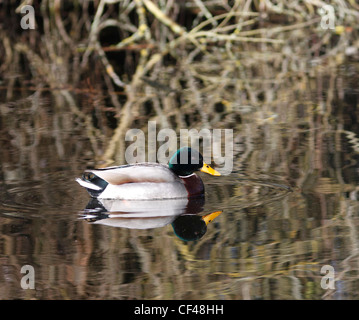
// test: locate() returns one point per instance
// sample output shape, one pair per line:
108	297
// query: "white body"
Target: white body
138	182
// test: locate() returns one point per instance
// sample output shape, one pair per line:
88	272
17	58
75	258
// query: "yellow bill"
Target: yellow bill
207	169
211	216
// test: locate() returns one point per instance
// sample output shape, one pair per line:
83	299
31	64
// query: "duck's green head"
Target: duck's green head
187	160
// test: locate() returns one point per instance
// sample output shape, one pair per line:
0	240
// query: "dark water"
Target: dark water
289	208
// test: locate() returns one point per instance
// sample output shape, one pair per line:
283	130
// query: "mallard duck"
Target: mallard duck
146	181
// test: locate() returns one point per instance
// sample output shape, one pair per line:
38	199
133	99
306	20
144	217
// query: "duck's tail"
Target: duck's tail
93	184
88	185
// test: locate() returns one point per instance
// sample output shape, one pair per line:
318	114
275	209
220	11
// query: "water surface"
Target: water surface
289	207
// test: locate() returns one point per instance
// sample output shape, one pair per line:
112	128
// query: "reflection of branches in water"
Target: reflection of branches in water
221	56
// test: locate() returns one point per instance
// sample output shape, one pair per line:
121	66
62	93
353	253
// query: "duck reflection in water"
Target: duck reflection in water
184	215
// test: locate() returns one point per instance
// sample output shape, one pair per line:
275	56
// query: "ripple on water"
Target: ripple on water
37	198
61	195
238	191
